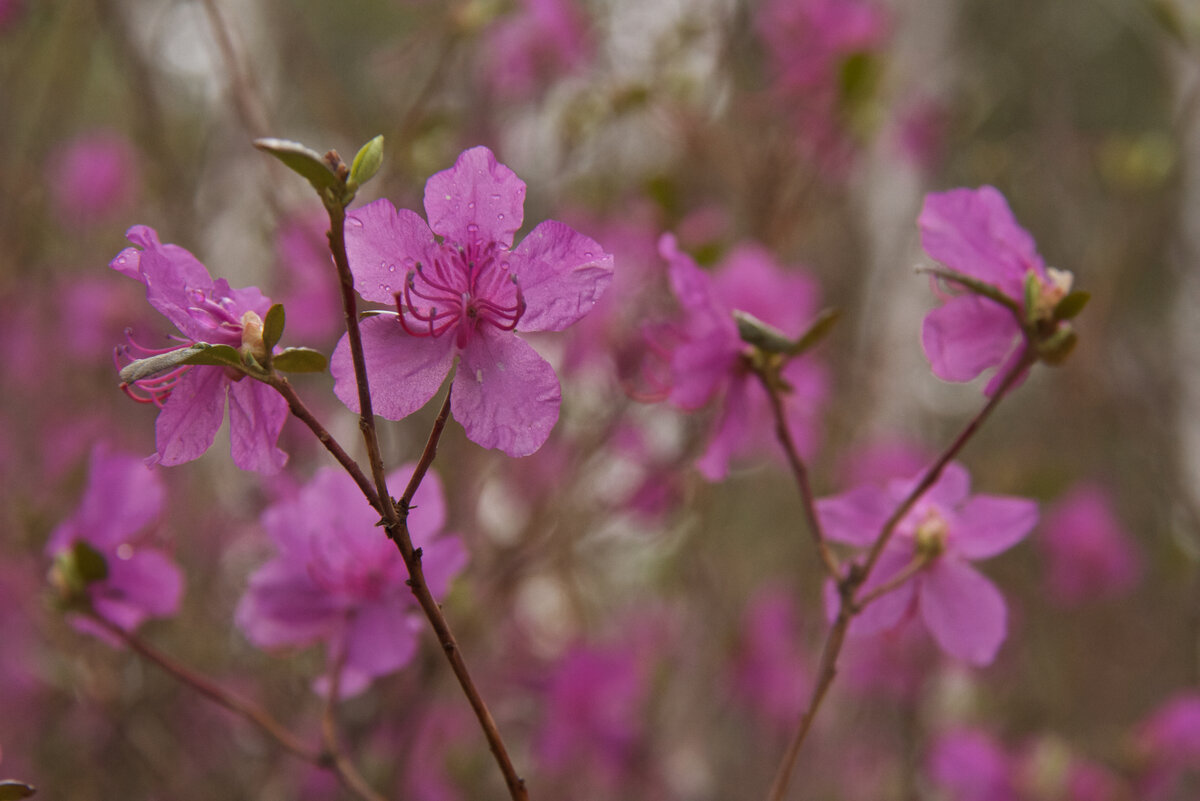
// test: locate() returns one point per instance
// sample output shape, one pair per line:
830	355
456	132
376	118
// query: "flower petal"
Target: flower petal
147	580
168	271
730	430
191	416
990	524
506	396
855	517
404	371
477	200
382	245
888	610
123	496
974	232
427	513
562	274
256	416
966	336
699	367
964	611
381	638
283	606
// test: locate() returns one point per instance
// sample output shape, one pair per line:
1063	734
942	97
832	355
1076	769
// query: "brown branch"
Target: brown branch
396	521
849	585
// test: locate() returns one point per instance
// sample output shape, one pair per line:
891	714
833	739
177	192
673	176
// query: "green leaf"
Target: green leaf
221	355
153	365
11	790
761	335
89	564
1071	305
308	163
818	330
366	162
300	360
1054	349
273	327
974	285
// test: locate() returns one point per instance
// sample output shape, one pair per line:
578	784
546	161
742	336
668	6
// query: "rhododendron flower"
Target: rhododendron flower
338	580
946	529
122	499
192	397
708	363
1088	553
543	38
462	296
94	177
771	671
969	765
974	233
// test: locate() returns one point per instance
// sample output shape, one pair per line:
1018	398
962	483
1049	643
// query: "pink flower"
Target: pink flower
771	672
707	364
463	296
95	177
543	39
969	765
192	398
973	232
947	528
308	278
1088	553
338	580
122	499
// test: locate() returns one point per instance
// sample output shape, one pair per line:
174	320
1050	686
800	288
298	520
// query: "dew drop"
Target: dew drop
496	198
472	228
500	217
587	254
479	375
357	223
391	268
471	205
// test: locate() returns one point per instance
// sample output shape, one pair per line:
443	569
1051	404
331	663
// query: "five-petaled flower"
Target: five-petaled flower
192	397
123	498
338	580
461	292
943	530
973	233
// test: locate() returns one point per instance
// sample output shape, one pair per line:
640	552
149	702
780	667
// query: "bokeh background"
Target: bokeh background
640	632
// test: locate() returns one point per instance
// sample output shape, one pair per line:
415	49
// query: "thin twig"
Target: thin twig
302	413
849	584
342	764
800	471
395	522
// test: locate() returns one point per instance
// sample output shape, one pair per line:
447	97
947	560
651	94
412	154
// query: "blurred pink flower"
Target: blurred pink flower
947	528
307	278
1089	555
969	765
883	459
707	357
771	671
95	177
542	40
809	43
122	499
339	580
192	399
1169	742
462	299
973	232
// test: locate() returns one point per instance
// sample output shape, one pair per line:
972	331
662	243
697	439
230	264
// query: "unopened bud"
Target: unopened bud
252	336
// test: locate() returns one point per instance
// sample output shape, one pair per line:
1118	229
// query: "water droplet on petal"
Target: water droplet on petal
471	205
587	254
496	198
479	375
354	221
472	228
391	268
500	217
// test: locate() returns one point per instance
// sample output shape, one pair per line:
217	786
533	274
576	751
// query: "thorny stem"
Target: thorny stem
849	584
396	521
800	471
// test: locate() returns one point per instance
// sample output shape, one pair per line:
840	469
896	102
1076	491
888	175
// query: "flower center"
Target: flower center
931	534
463	288
217	316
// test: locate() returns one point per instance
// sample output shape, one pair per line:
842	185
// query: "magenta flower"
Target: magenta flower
123	498
338	580
462	297
969	765
95	177
771	672
1089	555
947	528
541	39
973	232
192	398
707	364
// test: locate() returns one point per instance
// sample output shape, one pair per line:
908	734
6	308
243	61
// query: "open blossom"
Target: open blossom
1088	553
94	177
122	499
946	528
973	232
338	580
462	296
192	398
707	362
